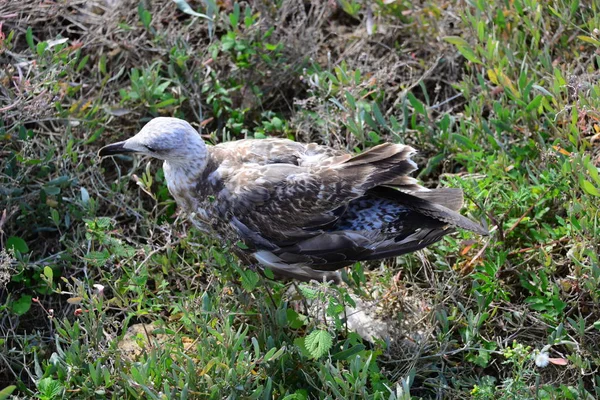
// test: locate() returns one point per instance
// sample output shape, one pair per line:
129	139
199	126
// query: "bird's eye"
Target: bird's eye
150	148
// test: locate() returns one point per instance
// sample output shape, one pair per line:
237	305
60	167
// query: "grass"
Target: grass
107	292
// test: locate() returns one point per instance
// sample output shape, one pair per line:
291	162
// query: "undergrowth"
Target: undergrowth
106	291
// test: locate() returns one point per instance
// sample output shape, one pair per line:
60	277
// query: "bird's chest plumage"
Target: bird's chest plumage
195	194
182	191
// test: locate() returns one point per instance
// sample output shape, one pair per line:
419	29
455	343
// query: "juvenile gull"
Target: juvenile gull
302	210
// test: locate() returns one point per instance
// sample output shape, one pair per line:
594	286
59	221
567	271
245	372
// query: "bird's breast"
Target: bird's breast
199	196
183	196
182	187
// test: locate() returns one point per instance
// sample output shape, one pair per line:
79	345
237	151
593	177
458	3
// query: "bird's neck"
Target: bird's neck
181	169
182	178
189	164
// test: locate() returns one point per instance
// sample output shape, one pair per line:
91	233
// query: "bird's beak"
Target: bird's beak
115	148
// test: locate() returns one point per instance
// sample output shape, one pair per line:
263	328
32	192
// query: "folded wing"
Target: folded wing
302	218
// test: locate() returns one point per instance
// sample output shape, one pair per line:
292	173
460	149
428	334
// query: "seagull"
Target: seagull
304	211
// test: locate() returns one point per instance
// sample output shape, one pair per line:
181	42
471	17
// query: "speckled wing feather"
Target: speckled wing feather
375	226
277	151
451	198
278	199
304	210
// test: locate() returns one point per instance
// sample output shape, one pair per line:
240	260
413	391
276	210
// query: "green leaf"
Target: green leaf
55	216
22	305
378	115
29	38
346	354
85	196
51	190
82	63
48	273
41	47
463	47
308	292
300	342
145	15
249	280
338	104
4	393
469	54
295	320
17	244
268	389
417	104
318	343
300	394
161	88
165	103
374	137
465	141
103	223
457	41
277	123
97	258
592	170
268	273
50	388
588	187
273	354
350	99
102	65
589	39
122	251
543	90
234	17
535	103
367	118
481	358
60	181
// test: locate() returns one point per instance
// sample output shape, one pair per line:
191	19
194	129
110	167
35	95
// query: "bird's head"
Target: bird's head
170	139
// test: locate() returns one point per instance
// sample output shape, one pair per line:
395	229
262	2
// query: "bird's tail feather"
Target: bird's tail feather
434	210
451	198
381	164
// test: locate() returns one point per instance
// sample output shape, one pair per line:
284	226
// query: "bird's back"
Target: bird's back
304	209
276	151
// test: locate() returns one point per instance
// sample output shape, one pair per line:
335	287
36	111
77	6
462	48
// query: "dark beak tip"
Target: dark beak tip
113	149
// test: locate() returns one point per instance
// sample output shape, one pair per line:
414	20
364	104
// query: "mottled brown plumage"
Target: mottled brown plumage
303	210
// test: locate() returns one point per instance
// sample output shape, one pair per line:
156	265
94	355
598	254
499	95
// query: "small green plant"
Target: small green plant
272	125
50	389
354	100
351	7
149	88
